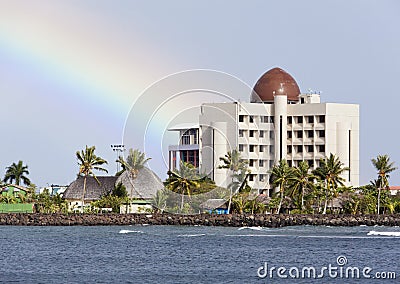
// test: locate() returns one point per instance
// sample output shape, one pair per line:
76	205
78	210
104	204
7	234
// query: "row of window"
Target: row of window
290	148
297	133
261	163
307	119
308	134
306	148
189	137
253	118
253	133
290	119
253	148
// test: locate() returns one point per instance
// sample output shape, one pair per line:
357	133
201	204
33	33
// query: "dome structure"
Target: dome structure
275	82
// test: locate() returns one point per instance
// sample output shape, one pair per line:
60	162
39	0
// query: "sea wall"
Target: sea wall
235	220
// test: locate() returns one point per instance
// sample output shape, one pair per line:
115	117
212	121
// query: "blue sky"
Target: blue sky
71	70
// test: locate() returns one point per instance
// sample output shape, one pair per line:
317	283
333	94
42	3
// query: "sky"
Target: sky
72	71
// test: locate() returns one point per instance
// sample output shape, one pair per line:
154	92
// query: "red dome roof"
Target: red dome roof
275	82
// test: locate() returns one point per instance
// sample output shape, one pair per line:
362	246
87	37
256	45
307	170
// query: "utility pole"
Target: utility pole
118	148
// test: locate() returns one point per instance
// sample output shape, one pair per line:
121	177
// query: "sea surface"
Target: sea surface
180	254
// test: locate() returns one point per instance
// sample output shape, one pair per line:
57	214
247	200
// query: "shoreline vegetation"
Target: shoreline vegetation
225	220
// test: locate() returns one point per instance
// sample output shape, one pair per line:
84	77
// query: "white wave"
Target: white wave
258	235
389	234
192	235
251	228
130	231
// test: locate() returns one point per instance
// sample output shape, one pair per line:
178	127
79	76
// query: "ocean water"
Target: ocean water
179	254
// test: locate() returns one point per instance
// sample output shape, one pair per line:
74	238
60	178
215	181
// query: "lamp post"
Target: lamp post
118	148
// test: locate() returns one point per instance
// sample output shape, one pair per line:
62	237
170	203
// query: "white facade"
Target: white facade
279	123
267	133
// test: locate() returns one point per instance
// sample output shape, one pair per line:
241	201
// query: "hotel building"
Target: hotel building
279	123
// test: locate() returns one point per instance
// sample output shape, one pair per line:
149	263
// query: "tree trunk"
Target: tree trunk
379	199
280	201
230	201
302	199
84	191
182	200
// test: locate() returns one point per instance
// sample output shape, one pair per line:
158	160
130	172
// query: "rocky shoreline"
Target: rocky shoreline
234	220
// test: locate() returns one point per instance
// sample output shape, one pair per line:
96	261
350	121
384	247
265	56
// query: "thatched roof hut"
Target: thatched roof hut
144	186
94	190
212	204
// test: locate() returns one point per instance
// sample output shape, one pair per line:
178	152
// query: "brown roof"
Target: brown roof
94	190
394	187
212	204
275	82
144	186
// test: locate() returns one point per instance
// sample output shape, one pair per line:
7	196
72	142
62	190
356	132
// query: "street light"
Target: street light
118	148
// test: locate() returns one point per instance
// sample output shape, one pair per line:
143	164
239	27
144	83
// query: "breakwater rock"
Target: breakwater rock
231	220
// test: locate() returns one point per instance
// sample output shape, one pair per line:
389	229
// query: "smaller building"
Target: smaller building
140	189
13	199
187	149
215	206
394	190
54	189
94	190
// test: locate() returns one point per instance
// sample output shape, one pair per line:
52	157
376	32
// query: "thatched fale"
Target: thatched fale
144	186
94	190
212	204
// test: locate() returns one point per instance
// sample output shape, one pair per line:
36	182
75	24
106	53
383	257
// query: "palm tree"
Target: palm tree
383	165
330	172
302	181
88	161
233	162
133	164
17	172
281	174
159	201
183	181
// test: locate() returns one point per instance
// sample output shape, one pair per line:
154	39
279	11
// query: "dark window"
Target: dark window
261	148
310	163
310	148
310	119
251	148
299	134
261	134
289	163
302	100
321	133
310	133
261	163
321	148
289	134
289	120
321	119
251	163
241	133
251	178
299	149
289	149
241	147
241	118
251	133
251	118
299	119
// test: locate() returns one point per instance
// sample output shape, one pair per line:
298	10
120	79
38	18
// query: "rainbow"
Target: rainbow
78	54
